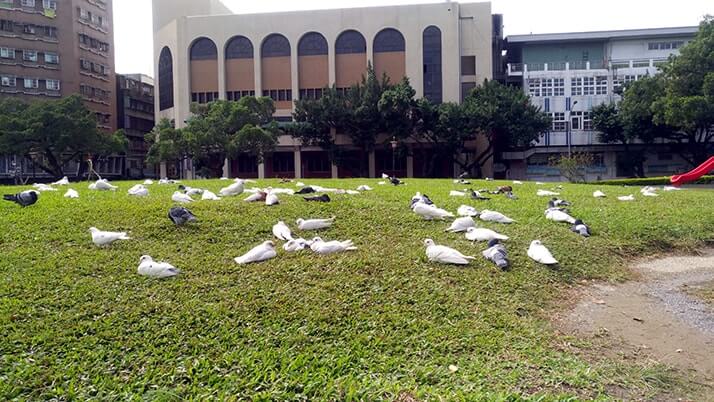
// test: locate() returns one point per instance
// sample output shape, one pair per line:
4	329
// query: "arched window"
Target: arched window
166	79
204	49
275	45
312	44
432	64
239	47
350	42
389	40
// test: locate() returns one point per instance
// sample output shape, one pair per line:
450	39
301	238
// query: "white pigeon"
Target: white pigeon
381	183
138	191
71	194
296	245
314	224
557	215
539	183
43	187
224	178
385	176
483	234
430	212
461	224
299	184
261	252
258	196
546	193
466	210
599	194
156	269
539	253
626	198
352	192
330	247
282	231
454	193
650	193
364	187
61	182
190	191
517	182
271	199
101	238
209	195
445	255
181	197
234	189
104	185
148	182
647	189
671	188
493	216
287	191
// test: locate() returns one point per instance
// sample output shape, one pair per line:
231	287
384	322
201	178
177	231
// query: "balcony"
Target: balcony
560	139
521	69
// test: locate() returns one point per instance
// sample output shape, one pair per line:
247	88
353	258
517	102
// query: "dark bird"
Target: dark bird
306	190
423	198
180	216
511	196
395	181
322	198
464	175
24	199
475	195
557	202
463	181
504	189
580	228
496	253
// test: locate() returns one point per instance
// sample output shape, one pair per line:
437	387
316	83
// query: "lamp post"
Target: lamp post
568	129
394	144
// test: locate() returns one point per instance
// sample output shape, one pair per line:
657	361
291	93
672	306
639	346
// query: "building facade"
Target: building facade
135	115
55	48
567	75
204	53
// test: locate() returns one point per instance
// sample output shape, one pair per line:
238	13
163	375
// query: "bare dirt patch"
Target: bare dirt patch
664	316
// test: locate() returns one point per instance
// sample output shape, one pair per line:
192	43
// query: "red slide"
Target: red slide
695	174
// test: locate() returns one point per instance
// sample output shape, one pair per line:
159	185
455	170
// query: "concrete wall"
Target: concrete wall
563	52
638	49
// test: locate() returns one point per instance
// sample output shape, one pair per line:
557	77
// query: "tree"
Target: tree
504	117
573	167
317	120
53	133
607	119
167	143
687	101
396	107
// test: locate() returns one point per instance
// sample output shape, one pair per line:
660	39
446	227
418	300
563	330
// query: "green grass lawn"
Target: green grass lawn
77	322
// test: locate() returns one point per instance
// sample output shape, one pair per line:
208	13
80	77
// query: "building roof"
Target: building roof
603	35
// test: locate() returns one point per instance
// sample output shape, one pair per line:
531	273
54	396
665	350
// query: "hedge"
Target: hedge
649	181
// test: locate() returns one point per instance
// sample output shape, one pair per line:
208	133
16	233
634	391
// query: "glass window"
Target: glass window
239	47
28	29
7	53
27	3
432	75
275	45
49	4
312	44
534	86
29	55
8	81
204	49
7	25
389	40
559	87
53	85
468	65
166	80
558	121
51	58
350	42
31	83
601	85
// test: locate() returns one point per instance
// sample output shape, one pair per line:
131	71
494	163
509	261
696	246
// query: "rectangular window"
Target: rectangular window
576	86
51	58
8	81
7	25
534	87
601	85
466	88
52	85
29	55
588	85
27	3
547	89
84	14
31	83
49	4
28	29
559	87
51	32
468	65
7	53
558	121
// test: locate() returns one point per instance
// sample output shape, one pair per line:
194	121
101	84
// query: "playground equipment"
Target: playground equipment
693	174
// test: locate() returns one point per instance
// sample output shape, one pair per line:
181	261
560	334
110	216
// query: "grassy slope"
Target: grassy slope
78	322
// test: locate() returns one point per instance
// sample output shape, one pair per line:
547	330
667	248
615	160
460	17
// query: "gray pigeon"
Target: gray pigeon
24	199
322	198
580	228
180	216
557	202
511	196
306	190
496	253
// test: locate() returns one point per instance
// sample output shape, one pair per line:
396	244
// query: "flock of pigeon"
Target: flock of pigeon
557	211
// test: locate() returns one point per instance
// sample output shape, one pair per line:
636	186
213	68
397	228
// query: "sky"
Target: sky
133	31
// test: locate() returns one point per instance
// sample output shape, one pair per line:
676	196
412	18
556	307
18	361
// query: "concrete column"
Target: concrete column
221	73
261	170
372	165
162	170
294	73
227	168
258	71
457	169
335	172
410	166
370	48
332	68
298	163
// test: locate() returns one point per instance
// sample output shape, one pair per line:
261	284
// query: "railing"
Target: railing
519	69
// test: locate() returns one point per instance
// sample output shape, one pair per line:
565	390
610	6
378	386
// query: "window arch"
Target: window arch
312	44
275	45
166	79
350	42
204	49
389	40
431	44
239	47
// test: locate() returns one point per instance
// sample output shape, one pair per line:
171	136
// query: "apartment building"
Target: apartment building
567	75
135	115
203	52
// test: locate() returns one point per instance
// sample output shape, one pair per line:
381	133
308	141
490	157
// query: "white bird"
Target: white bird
261	252
493	216
234	189
626	198
61	182
71	194
181	197
364	187
258	196
190	191
539	253
647	189
43	187
671	188
517	182
546	193
314	224
287	191
166	180
224	178
210	196
381	183
271	199
104	185
650	194
296	245
599	194
539	183
156	269
299	184
148	182
430	212
385	176
138	191
445	255
461	224
557	215
330	247
282	231
352	192
101	238
454	193
483	234
466	210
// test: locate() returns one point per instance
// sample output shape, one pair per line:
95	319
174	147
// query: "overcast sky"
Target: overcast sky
133	31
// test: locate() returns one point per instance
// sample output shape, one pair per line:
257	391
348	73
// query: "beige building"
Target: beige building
202	52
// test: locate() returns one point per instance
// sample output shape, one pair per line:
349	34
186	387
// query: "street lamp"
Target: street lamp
568	129
394	144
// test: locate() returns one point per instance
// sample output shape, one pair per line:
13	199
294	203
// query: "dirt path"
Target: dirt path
654	317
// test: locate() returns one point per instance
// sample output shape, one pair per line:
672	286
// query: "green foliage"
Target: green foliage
572	167
396	107
317	120
52	133
650	181
167	143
